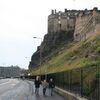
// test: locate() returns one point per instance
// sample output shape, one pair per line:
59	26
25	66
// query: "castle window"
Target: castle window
76	35
59	13
76	14
59	22
69	14
60	25
68	26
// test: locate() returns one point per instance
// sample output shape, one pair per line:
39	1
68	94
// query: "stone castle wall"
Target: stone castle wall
86	24
61	21
83	22
83	25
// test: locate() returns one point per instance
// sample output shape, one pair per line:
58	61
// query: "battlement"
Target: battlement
73	20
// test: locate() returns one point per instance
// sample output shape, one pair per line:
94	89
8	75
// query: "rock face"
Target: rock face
51	42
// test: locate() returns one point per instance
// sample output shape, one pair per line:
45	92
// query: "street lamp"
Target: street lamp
40	52
41	57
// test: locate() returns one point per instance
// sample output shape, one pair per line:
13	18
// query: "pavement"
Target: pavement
55	96
14	89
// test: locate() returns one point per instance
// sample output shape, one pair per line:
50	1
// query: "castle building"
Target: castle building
83	22
87	23
61	21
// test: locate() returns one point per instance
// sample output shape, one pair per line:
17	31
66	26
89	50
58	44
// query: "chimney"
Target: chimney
65	10
52	11
55	11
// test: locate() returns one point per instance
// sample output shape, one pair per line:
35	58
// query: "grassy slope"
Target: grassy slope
75	55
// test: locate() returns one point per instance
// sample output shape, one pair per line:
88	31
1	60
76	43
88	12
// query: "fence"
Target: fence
84	81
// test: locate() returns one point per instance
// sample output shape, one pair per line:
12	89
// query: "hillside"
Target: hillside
51	43
70	56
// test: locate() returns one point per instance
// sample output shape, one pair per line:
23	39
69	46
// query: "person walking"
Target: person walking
44	84
37	85
51	86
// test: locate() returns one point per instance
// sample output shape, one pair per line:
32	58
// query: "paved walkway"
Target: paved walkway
55	96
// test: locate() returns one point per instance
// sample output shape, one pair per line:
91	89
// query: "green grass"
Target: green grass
72	56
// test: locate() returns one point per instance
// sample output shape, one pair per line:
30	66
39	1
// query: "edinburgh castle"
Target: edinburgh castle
83	22
65	27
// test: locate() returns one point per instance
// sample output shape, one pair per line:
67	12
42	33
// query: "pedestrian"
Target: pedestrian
51	86
37	85
44	84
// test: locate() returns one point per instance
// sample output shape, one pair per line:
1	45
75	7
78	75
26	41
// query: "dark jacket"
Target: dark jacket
37	83
51	84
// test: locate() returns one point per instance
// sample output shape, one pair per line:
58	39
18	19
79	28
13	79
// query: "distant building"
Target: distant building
7	72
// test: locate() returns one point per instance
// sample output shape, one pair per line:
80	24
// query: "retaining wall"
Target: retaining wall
68	95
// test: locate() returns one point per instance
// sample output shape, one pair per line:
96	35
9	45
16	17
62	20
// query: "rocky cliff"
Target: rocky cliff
63	28
51	42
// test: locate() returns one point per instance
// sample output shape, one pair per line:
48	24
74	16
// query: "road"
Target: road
6	84
15	89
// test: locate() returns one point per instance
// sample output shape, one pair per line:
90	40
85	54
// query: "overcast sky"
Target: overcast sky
21	20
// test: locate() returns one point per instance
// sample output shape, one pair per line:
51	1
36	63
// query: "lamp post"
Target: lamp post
40	52
41	57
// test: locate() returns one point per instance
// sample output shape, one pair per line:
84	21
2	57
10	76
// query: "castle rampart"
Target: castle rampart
61	21
86	24
83	22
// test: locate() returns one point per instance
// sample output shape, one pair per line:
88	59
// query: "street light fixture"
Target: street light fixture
41	57
38	38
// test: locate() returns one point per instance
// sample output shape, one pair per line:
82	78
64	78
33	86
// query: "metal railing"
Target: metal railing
83	81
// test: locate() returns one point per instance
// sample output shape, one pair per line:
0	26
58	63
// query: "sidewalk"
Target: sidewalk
47	97
56	95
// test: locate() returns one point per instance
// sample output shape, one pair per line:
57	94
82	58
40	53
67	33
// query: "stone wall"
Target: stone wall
83	25
61	21
86	24
69	95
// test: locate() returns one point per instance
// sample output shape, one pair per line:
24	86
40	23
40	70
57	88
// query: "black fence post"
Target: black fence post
70	80
81	82
63	79
98	79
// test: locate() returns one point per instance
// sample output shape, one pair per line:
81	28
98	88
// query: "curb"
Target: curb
68	95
